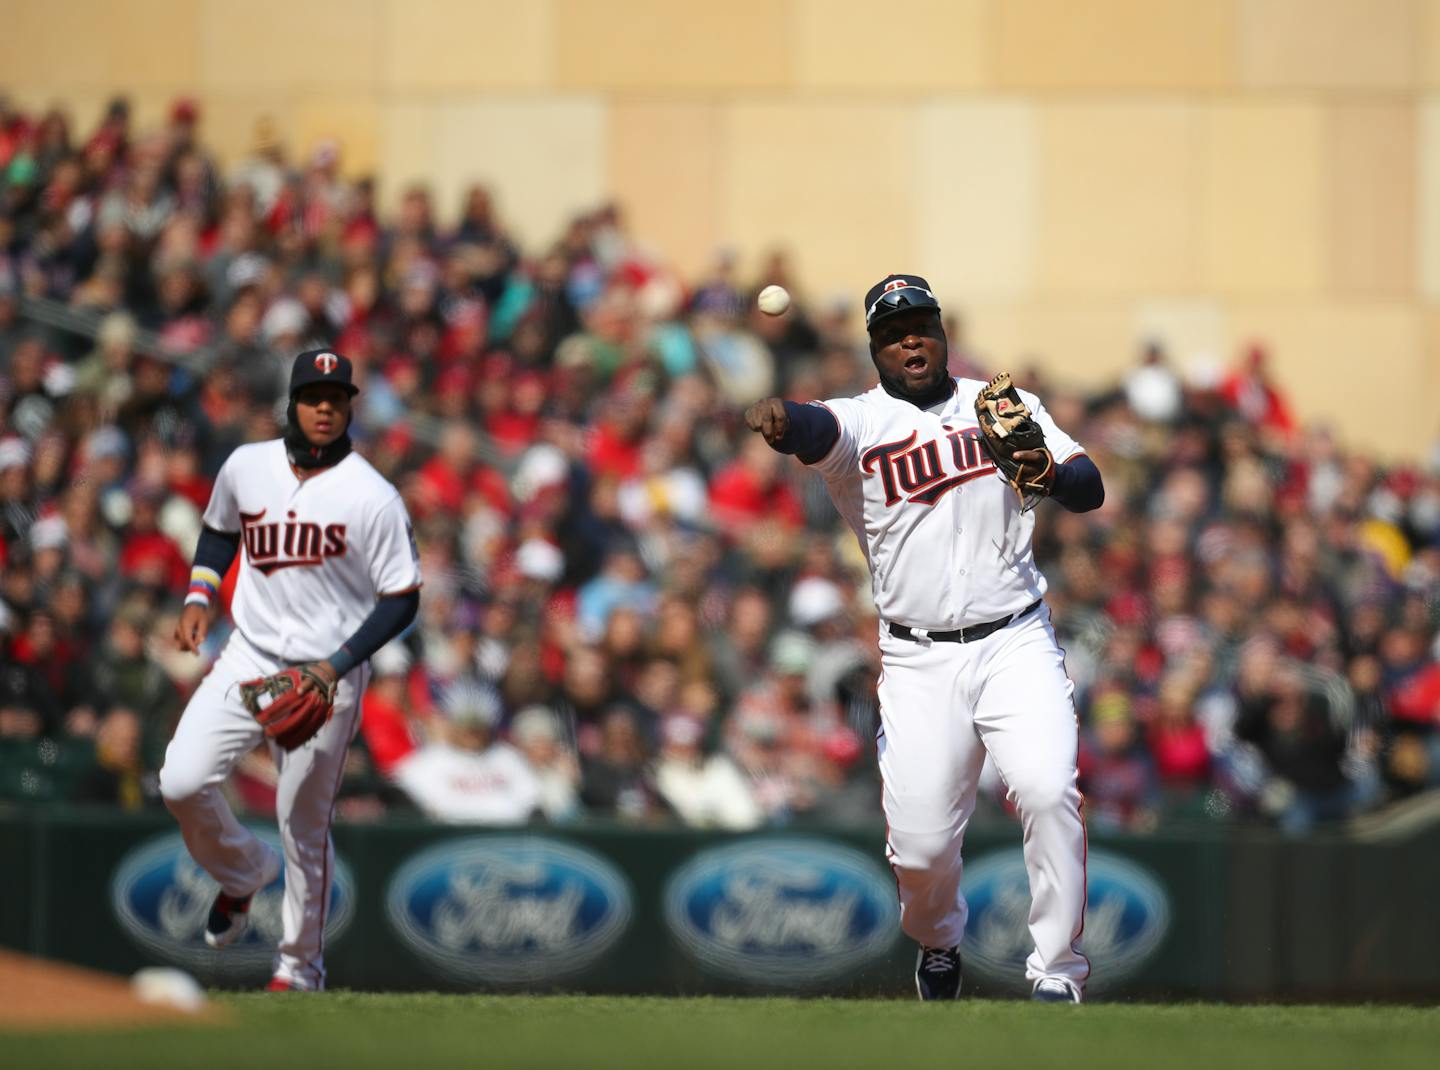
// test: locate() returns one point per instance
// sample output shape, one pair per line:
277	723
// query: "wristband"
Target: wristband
204	586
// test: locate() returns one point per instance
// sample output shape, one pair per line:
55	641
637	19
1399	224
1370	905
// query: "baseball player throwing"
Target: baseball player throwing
937	476
330	574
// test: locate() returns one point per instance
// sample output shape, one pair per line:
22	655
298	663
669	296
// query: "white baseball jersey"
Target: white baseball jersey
947	543
316	553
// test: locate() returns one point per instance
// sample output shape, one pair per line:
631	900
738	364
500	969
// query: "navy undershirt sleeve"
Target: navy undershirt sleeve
813	430
216	549
1077	485
391	616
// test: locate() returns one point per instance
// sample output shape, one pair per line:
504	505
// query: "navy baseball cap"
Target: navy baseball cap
895	294
322	366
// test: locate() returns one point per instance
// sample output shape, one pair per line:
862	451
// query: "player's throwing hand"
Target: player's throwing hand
768	416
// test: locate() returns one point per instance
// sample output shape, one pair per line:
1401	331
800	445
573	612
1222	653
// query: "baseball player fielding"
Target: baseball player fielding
941	502
329	574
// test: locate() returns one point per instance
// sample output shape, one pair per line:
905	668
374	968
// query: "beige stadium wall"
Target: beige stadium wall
1073	174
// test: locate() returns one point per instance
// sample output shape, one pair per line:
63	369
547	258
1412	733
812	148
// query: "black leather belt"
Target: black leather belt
972	634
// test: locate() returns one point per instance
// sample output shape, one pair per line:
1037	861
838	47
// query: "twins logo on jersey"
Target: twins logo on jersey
293	544
916	474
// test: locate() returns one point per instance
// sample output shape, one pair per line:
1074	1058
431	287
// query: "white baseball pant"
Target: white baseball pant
214	733
944	705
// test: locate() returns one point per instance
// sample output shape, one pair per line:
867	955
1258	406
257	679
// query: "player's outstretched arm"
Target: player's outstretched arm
808	431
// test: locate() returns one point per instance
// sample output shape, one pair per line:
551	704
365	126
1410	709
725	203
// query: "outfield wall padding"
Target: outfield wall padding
803	910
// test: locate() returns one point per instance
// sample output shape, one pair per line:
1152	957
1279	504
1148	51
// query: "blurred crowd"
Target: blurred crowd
633	609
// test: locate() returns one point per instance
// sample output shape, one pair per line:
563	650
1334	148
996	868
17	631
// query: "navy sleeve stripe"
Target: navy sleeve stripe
391	616
216	550
812	433
1078	486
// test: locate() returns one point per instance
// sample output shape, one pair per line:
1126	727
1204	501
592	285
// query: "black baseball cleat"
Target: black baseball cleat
1055	990
228	920
230	914
937	973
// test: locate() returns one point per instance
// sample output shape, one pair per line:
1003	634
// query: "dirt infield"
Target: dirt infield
35	994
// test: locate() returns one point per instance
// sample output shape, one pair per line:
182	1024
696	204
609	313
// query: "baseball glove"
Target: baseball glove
289	715
1007	427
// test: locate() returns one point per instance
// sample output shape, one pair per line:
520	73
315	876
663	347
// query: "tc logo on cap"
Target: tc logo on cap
897	284
327	363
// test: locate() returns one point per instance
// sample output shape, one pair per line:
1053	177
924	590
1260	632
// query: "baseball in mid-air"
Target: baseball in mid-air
773	300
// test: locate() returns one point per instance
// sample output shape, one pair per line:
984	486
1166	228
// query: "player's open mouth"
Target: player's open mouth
917	366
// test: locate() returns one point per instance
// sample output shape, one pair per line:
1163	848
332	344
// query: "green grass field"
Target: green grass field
418	1032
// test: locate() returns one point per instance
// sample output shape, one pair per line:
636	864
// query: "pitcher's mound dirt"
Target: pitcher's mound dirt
36	994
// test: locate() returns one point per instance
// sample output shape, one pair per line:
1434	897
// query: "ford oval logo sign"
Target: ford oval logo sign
162	898
785	912
508	909
1127	915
